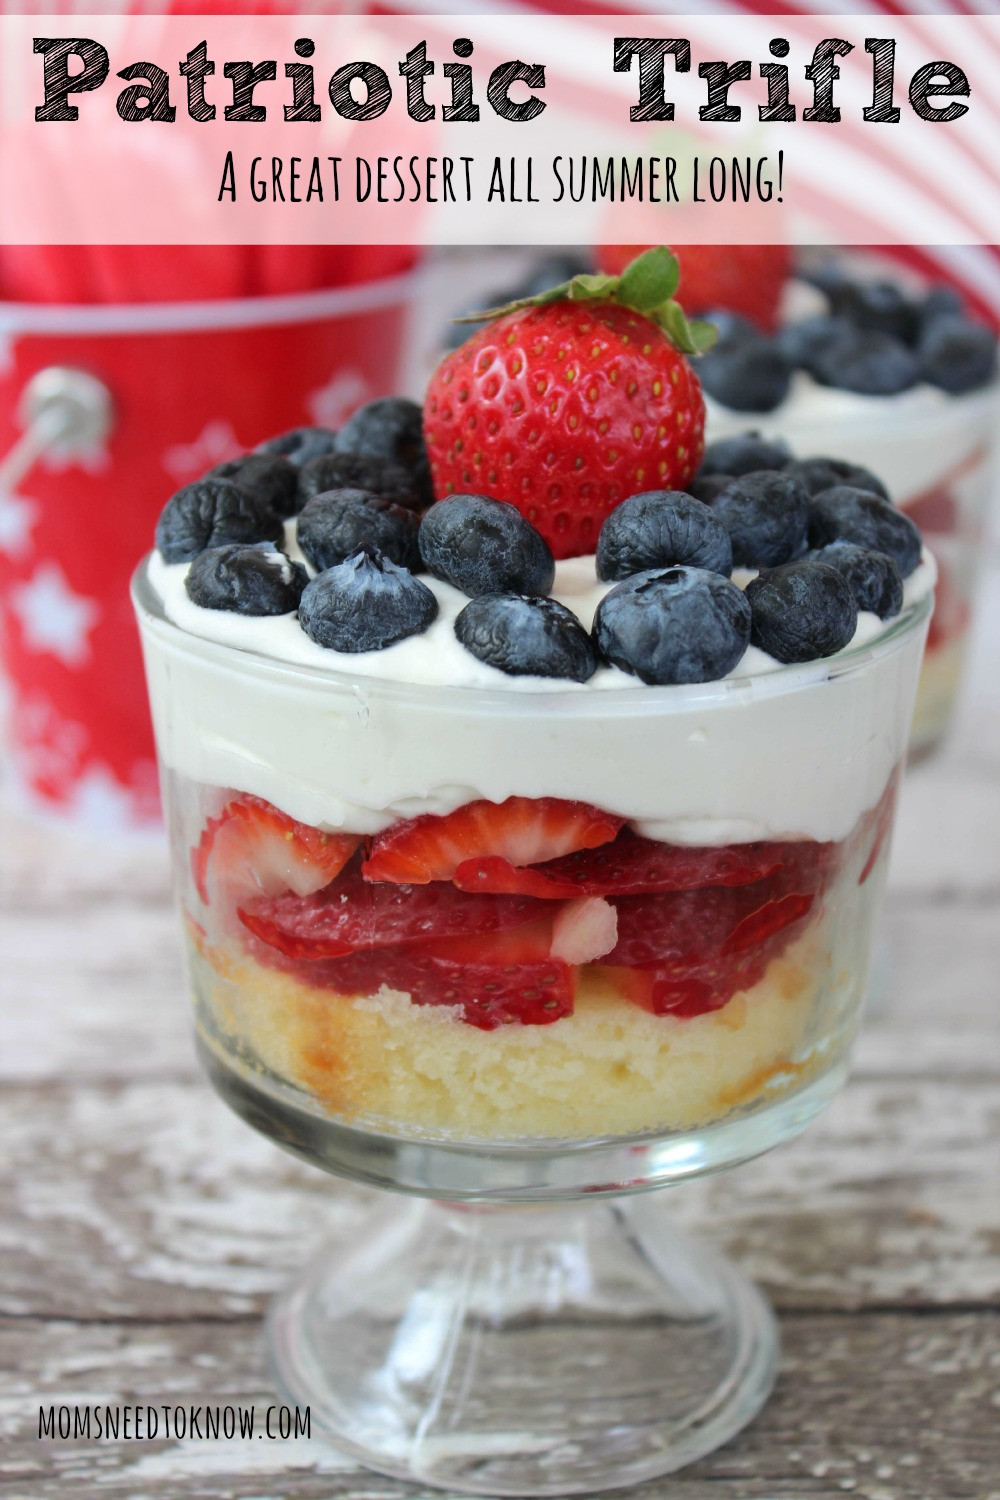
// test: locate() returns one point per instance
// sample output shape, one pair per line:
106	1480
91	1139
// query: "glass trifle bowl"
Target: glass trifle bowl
674	994
529	828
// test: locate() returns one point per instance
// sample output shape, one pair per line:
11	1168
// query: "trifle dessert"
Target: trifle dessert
531	766
854	355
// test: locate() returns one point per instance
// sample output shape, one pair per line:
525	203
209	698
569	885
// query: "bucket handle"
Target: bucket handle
64	412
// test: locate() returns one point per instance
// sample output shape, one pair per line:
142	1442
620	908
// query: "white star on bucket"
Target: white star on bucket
216	443
55	620
99	801
17	517
333	403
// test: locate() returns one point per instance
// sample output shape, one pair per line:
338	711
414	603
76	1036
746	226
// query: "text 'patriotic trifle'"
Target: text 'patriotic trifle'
530	768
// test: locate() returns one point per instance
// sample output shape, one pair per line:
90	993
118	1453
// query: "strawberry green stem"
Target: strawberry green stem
647	286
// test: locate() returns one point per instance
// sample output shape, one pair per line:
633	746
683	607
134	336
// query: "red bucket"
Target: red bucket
188	385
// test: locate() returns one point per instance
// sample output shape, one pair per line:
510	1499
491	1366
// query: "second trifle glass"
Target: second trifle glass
674	992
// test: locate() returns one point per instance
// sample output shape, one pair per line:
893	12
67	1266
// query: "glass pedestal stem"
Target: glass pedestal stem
542	1350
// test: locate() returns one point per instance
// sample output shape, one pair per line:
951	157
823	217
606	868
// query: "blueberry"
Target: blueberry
705	487
485	546
731	327
767	517
550	271
826	275
359	471
365	603
252	579
338	523
750	375
873	578
801	611
300	444
845	514
662	529
940	302
800	340
391	428
867	362
956	354
823	473
209	513
877	307
274	480
673	625
526	636
744	454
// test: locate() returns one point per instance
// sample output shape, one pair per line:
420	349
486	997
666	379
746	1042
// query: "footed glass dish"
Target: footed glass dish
529	954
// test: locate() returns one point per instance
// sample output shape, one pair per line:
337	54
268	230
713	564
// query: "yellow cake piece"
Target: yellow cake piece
609	1069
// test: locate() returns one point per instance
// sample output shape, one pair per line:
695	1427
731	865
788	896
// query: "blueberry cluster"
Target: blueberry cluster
357	494
821	535
380	452
875	339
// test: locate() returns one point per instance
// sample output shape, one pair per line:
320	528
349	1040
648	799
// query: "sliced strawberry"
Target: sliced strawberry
522	830
766	921
252	849
695	927
877	824
353	913
665	991
685	927
690	987
676	990
950	619
629	865
498	877
936	512
497	980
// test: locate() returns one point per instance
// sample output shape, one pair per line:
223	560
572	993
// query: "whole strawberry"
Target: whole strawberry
745	279
570	402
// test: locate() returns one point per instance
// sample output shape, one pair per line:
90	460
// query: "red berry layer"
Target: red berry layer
478	927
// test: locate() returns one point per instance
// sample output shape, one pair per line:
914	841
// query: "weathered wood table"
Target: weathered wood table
143	1228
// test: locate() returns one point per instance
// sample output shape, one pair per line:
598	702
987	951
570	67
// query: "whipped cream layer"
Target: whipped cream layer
357	742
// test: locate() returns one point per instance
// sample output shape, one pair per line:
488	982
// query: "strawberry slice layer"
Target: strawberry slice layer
688	990
628	865
877	824
496	980
695	927
353	914
252	849
521	831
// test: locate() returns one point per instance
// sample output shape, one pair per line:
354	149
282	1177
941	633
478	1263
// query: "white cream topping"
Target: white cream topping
358	741
436	658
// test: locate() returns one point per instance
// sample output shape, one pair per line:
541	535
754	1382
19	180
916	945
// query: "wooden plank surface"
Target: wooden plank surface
155	1202
891	1407
143	1228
